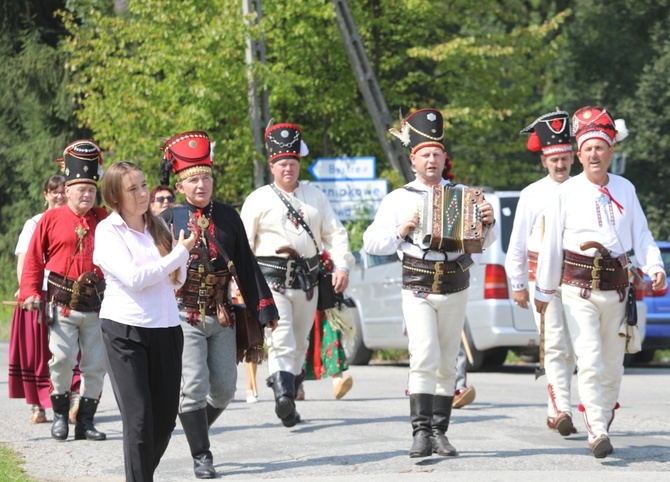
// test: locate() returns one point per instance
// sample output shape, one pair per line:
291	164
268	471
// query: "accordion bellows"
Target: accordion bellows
450	220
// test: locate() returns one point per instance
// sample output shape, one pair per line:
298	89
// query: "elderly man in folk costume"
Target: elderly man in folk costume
289	223
435	283
63	244
549	133
210	349
593	222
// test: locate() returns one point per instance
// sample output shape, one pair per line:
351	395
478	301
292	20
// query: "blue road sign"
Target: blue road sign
341	168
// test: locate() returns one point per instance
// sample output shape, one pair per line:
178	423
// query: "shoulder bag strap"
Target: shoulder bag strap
296	214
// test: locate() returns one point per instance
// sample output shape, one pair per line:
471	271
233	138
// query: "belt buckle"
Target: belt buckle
595	272
437	276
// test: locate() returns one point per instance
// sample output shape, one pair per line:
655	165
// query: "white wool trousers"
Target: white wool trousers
434	323
594	329
287	345
559	357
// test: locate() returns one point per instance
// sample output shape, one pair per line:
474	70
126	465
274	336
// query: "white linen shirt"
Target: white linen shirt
265	220
138	291
527	231
24	241
382	237
579	213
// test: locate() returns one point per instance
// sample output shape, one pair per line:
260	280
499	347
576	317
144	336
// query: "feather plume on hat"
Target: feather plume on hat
403	133
621	130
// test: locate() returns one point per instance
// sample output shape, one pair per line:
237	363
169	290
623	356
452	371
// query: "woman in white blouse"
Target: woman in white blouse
143	265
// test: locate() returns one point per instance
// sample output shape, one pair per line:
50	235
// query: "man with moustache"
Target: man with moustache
63	244
549	133
598	209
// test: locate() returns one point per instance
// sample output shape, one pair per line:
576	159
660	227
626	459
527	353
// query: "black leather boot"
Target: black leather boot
84	428
212	414
441	415
421	410
61	406
197	435
284	388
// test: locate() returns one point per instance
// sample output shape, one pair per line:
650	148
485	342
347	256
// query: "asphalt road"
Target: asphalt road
366	435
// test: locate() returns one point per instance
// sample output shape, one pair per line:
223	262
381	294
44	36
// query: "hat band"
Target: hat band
193	171
428	144
595	134
556	148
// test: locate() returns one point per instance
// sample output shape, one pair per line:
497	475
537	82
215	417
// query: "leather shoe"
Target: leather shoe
601	447
463	397
342	386
563	424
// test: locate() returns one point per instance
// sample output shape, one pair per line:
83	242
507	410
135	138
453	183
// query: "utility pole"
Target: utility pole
259	109
369	88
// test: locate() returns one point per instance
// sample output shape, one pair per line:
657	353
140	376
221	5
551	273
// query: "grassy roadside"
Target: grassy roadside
11	466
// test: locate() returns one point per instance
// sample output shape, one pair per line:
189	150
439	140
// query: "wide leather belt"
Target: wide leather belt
85	294
214	290
532	265
302	273
595	273
436	277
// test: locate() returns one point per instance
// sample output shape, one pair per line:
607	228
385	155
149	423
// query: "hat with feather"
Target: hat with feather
549	133
594	122
81	162
422	128
284	141
187	154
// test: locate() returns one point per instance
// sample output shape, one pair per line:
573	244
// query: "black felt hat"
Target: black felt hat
82	162
422	128
550	133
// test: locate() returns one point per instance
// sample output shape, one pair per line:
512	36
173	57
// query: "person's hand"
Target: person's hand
32	303
521	298
486	211
541	306
408	225
340	280
272	325
658	281
189	242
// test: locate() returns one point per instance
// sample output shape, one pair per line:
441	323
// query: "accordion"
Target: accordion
450	220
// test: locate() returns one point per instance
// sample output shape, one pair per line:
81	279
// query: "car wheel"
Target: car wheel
357	353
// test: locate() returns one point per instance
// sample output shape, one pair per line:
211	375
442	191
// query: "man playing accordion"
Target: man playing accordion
435	279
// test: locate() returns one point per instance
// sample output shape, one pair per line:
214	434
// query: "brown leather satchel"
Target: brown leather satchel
249	335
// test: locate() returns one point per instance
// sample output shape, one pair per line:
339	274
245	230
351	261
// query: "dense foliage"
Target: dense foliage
83	68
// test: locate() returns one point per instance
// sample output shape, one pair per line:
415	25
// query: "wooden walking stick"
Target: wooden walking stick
251	374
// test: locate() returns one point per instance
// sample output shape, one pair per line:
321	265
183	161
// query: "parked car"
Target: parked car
494	324
658	313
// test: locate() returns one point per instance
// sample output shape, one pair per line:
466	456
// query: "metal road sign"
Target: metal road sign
354	199
340	168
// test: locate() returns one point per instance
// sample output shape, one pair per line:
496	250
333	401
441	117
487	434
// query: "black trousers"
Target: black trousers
144	366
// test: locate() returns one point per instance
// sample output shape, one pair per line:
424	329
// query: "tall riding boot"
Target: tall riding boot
84	428
197	434
61	406
421	411
283	386
212	414
441	415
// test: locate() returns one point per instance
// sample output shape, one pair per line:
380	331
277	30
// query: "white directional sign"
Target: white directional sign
339	168
354	199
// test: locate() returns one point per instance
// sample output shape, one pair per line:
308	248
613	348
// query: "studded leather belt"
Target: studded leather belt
595	273
436	277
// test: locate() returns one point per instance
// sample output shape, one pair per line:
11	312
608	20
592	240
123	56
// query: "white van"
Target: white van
494	324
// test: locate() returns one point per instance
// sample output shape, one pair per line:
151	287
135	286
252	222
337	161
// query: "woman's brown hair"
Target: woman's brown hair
112	188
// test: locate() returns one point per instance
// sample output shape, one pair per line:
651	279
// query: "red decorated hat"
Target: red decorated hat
81	162
549	133
188	154
594	122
